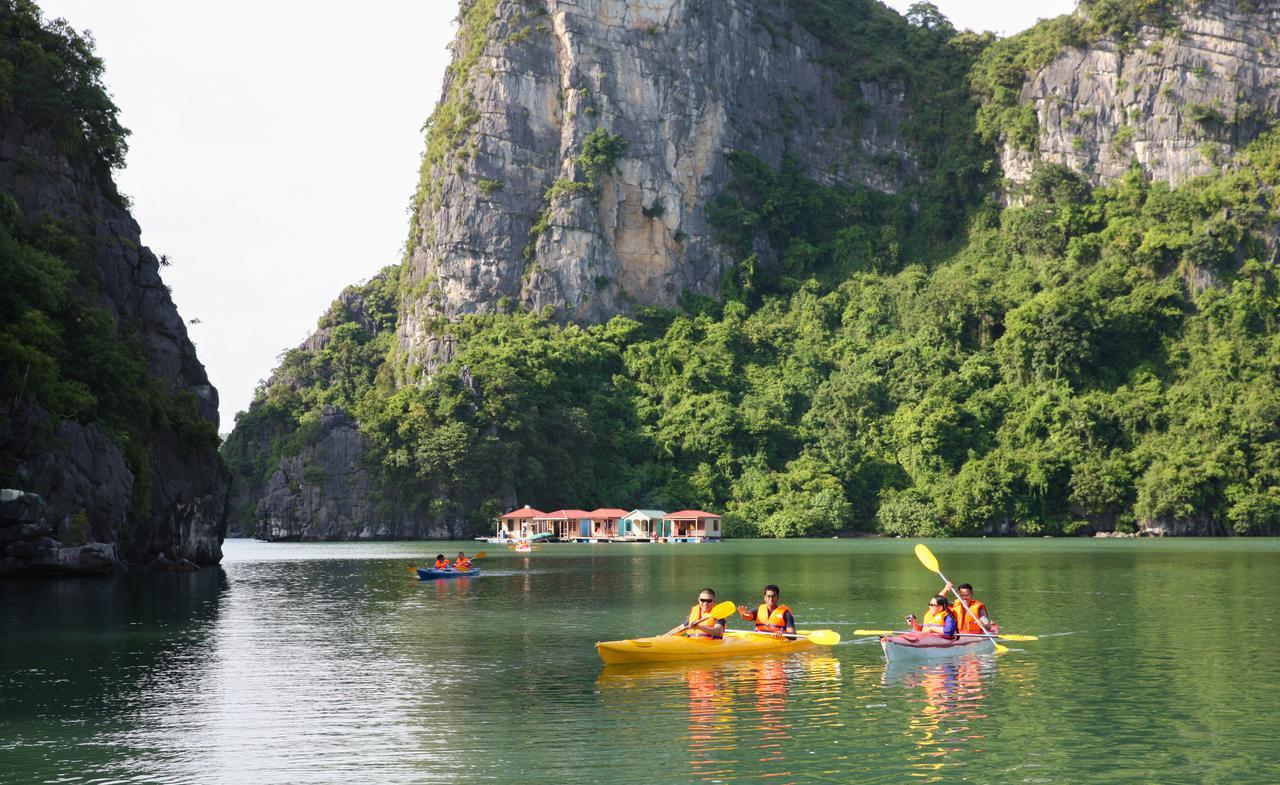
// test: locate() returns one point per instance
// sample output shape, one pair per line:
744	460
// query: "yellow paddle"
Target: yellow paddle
722	611
820	637
930	563
1001	636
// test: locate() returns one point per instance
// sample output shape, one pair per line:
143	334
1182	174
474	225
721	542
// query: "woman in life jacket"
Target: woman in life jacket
938	620
770	616
462	563
697	625
441	562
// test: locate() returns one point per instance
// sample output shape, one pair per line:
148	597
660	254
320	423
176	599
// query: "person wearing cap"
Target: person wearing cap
441	562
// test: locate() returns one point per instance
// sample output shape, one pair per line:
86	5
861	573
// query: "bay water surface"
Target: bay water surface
1158	661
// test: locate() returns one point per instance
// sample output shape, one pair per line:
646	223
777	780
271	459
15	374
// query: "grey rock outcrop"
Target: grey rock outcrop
681	82
327	493
80	472
1179	103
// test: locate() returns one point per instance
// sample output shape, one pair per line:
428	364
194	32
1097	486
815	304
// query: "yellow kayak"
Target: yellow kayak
670	648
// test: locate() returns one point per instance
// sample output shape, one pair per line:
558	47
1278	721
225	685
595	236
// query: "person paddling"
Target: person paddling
938	620
462	563
972	622
770	616
441	562
708	628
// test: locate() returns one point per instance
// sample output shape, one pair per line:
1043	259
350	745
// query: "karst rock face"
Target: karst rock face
1179	99
74	473
676	84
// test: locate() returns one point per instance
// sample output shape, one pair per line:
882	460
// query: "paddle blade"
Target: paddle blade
1018	637
480	555
926	557
824	637
724	610
875	632
1001	649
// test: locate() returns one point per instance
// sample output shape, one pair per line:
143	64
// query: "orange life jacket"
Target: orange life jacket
964	621
771	622
462	565
695	613
935	619
442	564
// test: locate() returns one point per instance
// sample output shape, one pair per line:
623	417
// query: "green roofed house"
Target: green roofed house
640	526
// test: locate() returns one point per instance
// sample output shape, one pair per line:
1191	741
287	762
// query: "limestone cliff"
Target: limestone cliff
512	213
144	486
1179	96
314	482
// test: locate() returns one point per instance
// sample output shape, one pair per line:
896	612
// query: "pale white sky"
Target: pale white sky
276	144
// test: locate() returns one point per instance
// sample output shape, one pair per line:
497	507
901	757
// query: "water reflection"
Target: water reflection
947	713
746	717
104	647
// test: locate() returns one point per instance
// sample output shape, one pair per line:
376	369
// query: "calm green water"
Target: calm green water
331	663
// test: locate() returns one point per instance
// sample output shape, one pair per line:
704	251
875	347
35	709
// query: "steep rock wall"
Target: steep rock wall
680	82
1179	102
79	471
328	493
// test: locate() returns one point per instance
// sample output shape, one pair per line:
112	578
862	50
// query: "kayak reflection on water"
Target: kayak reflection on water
744	714
952	700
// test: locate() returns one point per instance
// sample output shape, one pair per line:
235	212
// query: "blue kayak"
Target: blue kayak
430	574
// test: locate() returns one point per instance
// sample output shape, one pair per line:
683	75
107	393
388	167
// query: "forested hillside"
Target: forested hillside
969	355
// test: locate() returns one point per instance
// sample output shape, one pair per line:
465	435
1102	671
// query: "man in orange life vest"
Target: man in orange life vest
462	563
770	616
708	628
965	621
938	620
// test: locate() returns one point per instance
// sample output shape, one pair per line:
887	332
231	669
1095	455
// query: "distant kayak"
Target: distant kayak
430	574
919	646
672	648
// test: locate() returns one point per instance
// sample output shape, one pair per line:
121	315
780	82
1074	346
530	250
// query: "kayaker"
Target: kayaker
441	562
711	628
965	621
770	616
462	563
938	620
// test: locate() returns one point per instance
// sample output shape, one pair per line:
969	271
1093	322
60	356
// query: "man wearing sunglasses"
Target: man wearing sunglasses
698	624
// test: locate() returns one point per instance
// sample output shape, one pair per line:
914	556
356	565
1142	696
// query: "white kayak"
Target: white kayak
920	646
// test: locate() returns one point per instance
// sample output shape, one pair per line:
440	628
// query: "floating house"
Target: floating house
605	523
690	526
608	524
640	526
569	525
520	525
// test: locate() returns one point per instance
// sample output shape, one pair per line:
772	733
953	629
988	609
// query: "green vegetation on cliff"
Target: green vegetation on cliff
50	77
1096	357
59	350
